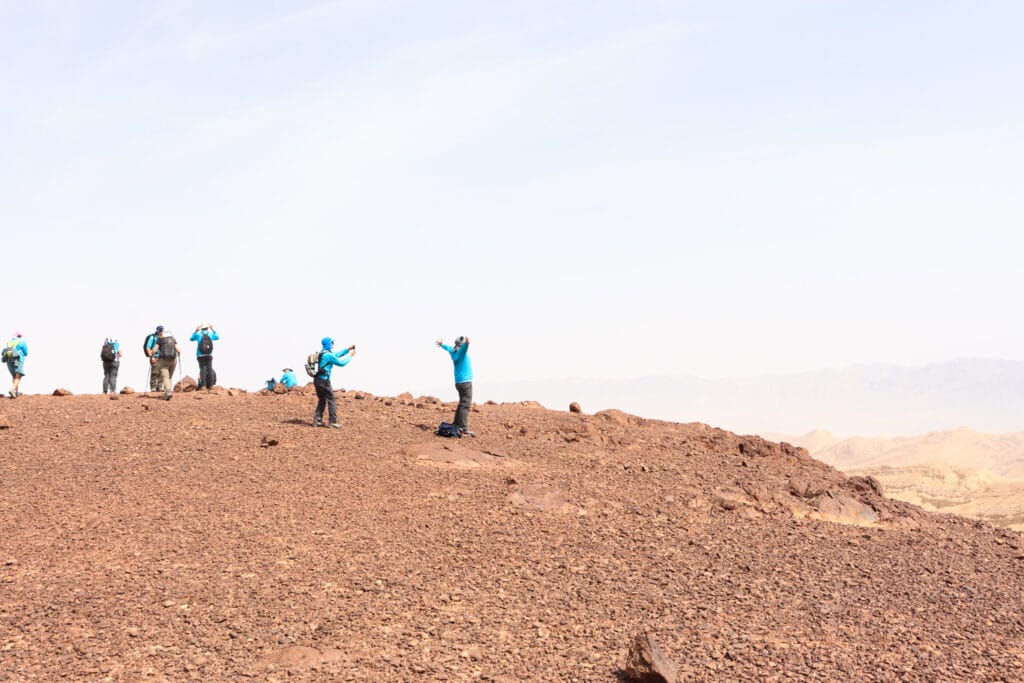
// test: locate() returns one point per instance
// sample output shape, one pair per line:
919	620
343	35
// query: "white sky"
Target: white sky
591	188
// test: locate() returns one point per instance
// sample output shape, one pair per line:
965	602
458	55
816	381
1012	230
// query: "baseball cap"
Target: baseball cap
159	328
326	342
460	340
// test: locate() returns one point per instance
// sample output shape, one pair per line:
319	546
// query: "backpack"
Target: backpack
10	352
107	354
205	345
450	430
145	344
165	345
313	364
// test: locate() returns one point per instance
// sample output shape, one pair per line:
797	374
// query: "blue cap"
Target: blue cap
327	342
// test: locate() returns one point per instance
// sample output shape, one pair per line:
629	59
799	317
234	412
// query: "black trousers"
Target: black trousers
110	376
465	390
207	377
325	397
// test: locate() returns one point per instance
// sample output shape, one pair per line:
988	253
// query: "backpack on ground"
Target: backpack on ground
10	352
313	364
166	347
107	354
205	345
449	430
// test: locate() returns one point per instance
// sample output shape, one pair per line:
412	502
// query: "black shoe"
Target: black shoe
318	423
167	396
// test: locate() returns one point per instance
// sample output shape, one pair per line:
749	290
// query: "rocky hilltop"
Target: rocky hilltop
220	537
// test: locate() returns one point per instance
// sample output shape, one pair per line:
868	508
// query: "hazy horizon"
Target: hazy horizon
586	189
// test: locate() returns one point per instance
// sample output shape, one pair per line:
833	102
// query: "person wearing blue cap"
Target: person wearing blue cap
322	381
459	352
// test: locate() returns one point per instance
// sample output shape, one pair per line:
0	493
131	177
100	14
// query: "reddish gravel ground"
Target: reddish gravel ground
217	537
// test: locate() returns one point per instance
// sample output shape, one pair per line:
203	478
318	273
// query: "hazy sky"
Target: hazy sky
585	188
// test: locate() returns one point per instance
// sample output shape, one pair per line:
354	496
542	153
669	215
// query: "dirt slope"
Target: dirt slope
220	537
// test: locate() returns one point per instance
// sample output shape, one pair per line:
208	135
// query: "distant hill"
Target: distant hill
880	400
962	471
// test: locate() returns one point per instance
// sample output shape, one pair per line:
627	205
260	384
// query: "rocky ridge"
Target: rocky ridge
218	537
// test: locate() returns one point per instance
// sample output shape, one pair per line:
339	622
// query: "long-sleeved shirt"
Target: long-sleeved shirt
289	380
460	358
196	336
329	359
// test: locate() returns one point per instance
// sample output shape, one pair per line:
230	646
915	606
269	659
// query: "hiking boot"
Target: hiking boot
167	395
334	425
466	432
12	393
318	423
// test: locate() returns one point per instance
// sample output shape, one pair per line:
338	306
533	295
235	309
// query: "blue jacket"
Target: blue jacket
460	358
329	359
288	379
196	336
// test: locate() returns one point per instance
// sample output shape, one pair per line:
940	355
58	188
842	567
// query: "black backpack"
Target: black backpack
107	354
450	430
205	345
166	347
145	344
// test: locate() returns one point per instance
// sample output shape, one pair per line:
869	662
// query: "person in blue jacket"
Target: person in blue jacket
111	363
322	381
463	380
204	355
14	354
288	379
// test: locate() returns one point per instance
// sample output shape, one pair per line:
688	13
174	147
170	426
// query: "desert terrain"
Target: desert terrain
962	471
221	537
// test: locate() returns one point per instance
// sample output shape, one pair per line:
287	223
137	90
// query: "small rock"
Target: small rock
646	663
115	397
574	407
267	441
127	390
4	422
187	383
61	392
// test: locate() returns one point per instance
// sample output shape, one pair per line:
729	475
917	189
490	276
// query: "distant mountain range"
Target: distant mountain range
878	400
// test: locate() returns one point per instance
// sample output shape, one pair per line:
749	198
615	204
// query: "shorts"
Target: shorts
16	367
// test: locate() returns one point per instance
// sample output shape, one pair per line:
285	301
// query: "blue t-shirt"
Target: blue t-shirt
329	359
288	380
196	336
460	358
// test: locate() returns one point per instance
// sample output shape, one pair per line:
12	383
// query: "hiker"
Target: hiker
14	355
165	354
322	381
110	354
463	381
151	353
205	335
288	379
